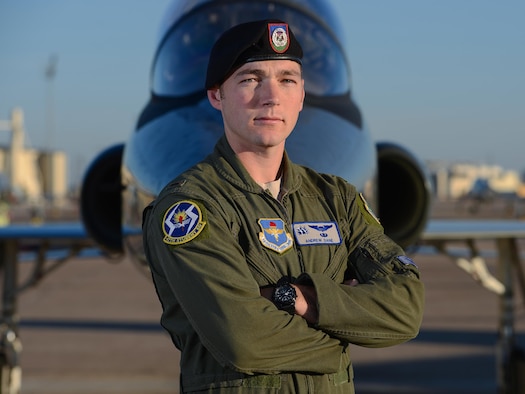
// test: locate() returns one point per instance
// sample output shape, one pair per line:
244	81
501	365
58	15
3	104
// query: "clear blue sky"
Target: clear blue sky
444	78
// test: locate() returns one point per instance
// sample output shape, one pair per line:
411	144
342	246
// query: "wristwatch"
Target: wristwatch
284	296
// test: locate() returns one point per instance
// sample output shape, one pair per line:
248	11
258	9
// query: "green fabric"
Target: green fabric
230	337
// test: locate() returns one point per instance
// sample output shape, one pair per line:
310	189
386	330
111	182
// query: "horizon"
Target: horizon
422	73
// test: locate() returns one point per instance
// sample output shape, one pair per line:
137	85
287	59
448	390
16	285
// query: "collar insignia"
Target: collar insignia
279	37
274	235
317	233
182	222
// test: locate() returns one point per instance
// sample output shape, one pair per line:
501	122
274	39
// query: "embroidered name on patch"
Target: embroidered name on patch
274	235
317	233
182	222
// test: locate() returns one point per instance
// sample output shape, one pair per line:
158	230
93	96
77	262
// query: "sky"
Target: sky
444	79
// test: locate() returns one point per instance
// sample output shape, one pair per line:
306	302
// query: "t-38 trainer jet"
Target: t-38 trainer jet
177	128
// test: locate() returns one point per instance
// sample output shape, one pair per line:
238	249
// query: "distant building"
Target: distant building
455	180
28	173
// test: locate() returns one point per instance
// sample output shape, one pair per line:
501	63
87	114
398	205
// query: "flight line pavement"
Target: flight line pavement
91	327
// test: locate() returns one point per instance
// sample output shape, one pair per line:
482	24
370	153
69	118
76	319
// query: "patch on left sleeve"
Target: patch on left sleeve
182	222
406	260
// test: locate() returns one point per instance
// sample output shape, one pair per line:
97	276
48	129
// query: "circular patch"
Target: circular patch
182	222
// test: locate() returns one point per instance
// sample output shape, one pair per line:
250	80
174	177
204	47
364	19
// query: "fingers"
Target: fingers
351	282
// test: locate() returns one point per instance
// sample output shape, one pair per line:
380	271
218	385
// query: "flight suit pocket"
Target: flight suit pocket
374	259
366	268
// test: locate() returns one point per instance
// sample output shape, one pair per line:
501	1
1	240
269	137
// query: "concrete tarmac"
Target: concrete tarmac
91	327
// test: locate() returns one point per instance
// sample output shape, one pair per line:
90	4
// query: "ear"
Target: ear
214	97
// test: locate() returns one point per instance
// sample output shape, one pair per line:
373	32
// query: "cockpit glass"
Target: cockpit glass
181	61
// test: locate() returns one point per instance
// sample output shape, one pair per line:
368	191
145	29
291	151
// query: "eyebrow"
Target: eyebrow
260	72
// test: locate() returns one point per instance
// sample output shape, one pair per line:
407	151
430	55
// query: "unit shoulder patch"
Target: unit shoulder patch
182	222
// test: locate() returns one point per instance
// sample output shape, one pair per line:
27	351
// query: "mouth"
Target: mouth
268	119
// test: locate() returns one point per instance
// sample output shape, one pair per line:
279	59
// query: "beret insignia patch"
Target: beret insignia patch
182	222
279	38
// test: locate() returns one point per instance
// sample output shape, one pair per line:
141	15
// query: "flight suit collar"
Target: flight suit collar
230	167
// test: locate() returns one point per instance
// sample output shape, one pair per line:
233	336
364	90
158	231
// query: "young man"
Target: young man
253	303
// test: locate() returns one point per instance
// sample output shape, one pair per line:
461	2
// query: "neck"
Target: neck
263	168
262	162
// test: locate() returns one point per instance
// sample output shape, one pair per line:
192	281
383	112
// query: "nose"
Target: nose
269	92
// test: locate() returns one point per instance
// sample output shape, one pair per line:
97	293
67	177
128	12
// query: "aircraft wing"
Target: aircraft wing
59	231
460	230
442	233
506	234
40	238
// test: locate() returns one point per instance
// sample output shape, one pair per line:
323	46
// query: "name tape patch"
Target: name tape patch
317	233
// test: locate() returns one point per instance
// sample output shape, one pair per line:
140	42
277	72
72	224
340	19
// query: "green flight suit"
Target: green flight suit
213	237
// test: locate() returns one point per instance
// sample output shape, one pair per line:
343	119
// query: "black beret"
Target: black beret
249	42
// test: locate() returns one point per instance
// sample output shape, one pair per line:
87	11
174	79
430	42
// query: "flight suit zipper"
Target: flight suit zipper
288	223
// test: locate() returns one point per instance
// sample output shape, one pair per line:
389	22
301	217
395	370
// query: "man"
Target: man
255	303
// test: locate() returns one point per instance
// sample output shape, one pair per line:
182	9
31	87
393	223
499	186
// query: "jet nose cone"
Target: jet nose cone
171	143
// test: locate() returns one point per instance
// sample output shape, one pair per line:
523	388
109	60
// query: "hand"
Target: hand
351	282
306	303
267	292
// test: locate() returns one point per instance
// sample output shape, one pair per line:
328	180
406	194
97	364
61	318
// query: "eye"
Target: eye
290	81
249	80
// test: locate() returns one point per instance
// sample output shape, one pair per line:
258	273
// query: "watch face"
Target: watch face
284	297
285	293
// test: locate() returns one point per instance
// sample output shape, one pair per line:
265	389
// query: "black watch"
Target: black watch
284	296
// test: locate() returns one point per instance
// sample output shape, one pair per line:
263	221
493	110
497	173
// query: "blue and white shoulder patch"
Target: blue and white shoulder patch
274	236
406	260
317	233
182	222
